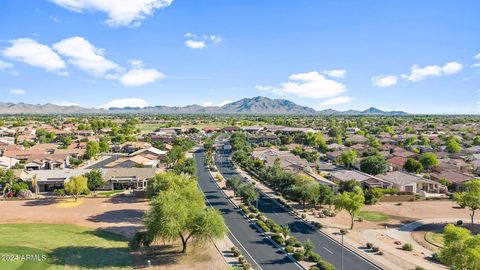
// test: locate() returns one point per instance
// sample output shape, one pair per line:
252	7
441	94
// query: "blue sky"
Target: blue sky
417	56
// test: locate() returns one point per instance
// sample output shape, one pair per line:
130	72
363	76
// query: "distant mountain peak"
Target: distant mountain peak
254	105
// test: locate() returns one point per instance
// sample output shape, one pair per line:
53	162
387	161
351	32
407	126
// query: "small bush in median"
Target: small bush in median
299	256
279	239
315	257
291	241
324	265
369	245
263	226
407	247
375	249
289	249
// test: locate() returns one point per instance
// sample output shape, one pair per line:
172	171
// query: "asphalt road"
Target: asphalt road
329	249
258	249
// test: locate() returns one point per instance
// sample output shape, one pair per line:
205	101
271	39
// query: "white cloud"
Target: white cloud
210	103
195	44
310	85
138	76
120	12
384	80
5	65
264	87
55	19
477	56
336	101
84	55
195	41
17	91
33	53
125	102
223	103
418	73
335	73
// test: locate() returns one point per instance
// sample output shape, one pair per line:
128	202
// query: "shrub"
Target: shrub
436	257
289	249
277	228
318	225
459	222
252	215
315	257
380	253
299	256
375	249
291	241
263	226
246	266
253	209
369	245
297	244
242	260
324	265
407	247
279	239
313	268
140	239
59	192
419	268
304	216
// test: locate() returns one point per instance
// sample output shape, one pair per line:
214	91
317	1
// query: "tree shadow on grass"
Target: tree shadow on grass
133	216
107	234
41	202
93	257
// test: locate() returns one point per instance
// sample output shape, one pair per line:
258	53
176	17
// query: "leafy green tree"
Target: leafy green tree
348	158
453	146
76	186
476	140
93	149
461	249
180	213
304	190
471	197
103	147
373	195
8	180
168	180
352	202
373	165
94	179
248	193
429	160
413	166
348	186
233	184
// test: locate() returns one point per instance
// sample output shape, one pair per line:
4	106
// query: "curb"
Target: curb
348	246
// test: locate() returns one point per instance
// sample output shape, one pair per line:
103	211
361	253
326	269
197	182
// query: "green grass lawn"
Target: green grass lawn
62	246
434	238
110	193
373	216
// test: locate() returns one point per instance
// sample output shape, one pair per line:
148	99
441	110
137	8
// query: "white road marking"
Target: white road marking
327	250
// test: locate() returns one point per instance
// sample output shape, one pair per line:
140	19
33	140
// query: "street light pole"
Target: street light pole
342	251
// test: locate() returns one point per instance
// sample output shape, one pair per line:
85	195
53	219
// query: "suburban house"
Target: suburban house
47	162
22	154
456	179
396	163
7	162
121	178
75	153
151	153
133	162
50	180
405	182
366	180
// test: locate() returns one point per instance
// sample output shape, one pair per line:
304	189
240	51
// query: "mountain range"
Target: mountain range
255	105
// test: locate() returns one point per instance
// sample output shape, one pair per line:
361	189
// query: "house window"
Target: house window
408	189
